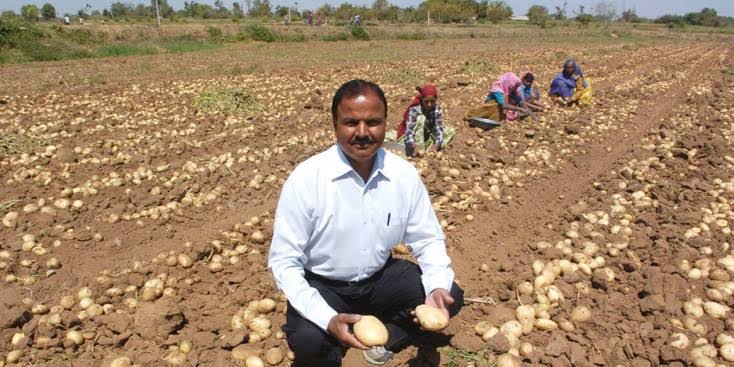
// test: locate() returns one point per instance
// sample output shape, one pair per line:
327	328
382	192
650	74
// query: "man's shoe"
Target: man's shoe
377	355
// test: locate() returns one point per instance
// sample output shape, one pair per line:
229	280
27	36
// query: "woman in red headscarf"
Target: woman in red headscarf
422	126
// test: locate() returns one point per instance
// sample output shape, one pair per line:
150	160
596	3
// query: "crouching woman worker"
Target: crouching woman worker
422	127
526	95
339	214
570	86
497	106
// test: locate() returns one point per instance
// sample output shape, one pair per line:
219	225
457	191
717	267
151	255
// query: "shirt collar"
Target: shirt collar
340	166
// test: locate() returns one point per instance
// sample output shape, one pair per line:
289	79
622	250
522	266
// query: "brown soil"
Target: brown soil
668	101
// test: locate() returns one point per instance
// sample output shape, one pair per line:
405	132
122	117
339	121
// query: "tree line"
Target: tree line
605	12
440	11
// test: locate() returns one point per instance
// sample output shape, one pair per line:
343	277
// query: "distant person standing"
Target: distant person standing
310	19
357	20
67	21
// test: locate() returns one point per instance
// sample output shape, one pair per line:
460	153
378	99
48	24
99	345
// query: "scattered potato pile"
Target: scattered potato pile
135	225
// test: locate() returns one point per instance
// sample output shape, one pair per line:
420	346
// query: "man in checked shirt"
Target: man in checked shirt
339	215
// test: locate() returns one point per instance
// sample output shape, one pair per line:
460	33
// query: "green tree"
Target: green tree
538	14
261	8
119	9
560	13
48	11
629	16
445	11
345	11
237	11
326	10
222	11
164	8
498	10
606	11
280	11
380	9
709	17
584	19
29	12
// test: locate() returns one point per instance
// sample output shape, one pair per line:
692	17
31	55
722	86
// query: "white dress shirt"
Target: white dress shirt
332	223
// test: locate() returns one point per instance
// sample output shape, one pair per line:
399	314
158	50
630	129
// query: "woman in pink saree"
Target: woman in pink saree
496	105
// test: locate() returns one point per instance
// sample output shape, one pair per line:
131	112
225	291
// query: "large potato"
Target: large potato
370	331
431	318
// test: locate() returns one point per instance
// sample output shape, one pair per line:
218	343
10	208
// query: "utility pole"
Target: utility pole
157	14
428	21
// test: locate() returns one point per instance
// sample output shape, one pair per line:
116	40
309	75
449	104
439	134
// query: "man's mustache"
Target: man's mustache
362	140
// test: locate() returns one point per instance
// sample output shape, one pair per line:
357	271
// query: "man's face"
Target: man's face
360	126
428	103
569	68
527	83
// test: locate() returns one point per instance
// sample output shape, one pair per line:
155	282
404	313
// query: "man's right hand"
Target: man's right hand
339	328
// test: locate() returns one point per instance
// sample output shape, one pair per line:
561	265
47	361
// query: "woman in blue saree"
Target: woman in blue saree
570	86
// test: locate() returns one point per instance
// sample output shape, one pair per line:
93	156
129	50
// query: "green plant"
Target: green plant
14	31
341	36
186	43
11	143
215	34
298	37
459	357
38	51
412	36
359	33
477	66
80	36
228	100
405	76
125	49
258	32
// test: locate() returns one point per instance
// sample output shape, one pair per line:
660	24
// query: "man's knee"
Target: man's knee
458	295
311	345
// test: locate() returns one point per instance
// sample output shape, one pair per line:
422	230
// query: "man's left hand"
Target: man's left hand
440	299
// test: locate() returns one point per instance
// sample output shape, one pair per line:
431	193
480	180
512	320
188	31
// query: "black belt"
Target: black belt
340	283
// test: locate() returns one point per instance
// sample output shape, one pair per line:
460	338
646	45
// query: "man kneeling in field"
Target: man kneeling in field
339	215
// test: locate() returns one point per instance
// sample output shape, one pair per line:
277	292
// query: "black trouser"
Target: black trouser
390	295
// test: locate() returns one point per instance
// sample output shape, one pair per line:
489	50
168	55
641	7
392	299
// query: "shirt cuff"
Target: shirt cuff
322	317
443	280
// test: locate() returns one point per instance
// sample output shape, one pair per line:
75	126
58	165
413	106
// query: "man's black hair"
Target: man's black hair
354	88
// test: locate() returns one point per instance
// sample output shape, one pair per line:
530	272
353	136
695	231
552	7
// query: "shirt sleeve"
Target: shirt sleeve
439	126
291	232
410	126
425	237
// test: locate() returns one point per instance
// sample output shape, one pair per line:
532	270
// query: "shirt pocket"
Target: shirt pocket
393	226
